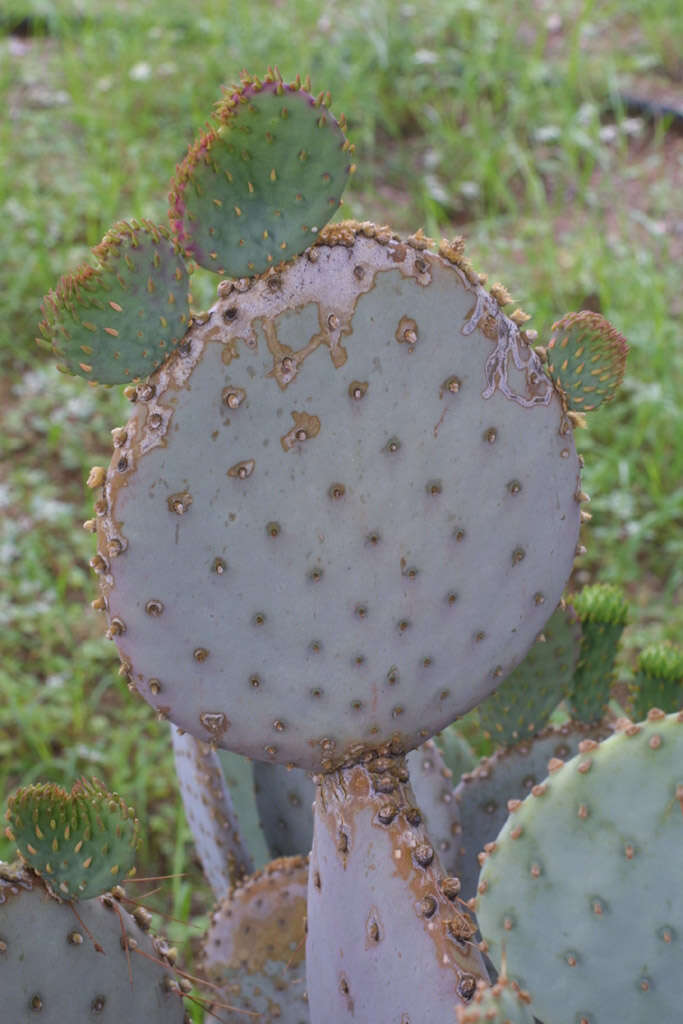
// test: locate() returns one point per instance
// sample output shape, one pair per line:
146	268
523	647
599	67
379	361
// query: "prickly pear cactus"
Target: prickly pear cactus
210	813
659	680
503	1003
483	796
388	939
117	321
238	773
603	611
582	888
391	509
57	968
529	695
254	949
586	359
285	805
81	842
258	186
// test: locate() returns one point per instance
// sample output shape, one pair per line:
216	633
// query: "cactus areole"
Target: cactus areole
342	510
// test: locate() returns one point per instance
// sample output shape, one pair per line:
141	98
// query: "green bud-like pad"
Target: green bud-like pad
258	186
81	843
586	359
581	891
659	680
603	611
117	321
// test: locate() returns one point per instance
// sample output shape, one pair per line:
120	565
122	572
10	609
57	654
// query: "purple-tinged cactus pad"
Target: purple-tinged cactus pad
210	814
388	937
116	322
581	890
258	186
254	949
342	513
52	972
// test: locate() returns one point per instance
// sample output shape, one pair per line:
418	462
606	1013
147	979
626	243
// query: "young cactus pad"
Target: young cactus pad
659	680
582	889
82	843
118	321
258	186
586	359
59	969
603	611
358	465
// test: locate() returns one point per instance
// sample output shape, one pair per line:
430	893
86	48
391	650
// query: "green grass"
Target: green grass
497	120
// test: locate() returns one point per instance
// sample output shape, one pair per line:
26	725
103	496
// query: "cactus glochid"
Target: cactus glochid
343	509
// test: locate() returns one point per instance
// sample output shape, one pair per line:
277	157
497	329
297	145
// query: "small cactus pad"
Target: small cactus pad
254	949
210	814
659	680
482	796
116	322
532	691
586	359
56	968
358	464
256	188
582	888
602	610
81	842
388	937
504	1003
457	753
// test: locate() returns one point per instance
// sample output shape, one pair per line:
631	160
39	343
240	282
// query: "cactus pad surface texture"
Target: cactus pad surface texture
81	842
254	949
256	188
582	888
502	1003
116	322
52	972
358	463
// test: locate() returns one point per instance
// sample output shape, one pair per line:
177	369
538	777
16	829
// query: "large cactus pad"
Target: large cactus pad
582	889
81	842
116	322
342	513
256	188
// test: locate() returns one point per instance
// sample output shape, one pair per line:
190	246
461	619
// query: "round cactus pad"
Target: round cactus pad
342	512
117	322
582	889
257	187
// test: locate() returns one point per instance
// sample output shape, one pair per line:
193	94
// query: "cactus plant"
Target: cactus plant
341	512
576	873
99	965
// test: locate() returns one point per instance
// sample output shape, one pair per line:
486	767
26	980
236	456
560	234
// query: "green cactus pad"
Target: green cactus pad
56	968
117	322
586	359
457	753
529	695
582	888
358	464
482	795
260	184
238	772
210	813
388	937
603	611
504	1003
254	949
82	843
659	680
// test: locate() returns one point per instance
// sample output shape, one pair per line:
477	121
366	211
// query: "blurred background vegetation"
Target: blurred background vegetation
549	133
